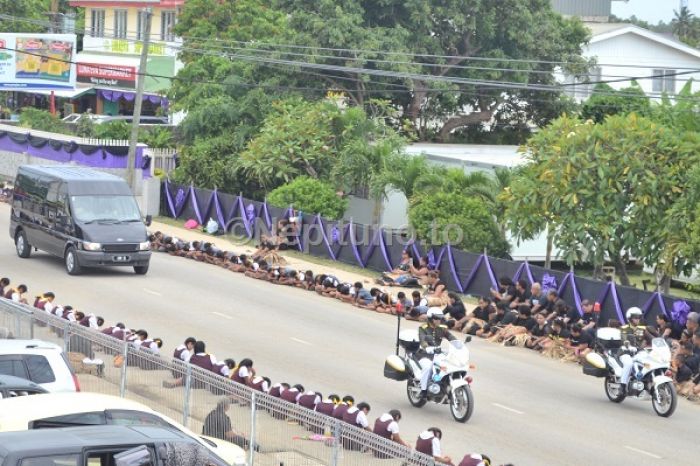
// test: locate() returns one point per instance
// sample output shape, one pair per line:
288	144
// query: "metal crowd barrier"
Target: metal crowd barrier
272	431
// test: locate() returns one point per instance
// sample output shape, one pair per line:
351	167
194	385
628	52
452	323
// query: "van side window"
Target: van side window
39	369
12	365
52	460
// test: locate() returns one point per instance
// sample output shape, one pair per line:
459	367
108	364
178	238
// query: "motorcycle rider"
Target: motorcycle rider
430	336
637	335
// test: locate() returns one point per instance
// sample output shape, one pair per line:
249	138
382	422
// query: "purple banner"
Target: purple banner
385	251
353	245
492	276
331	253
453	269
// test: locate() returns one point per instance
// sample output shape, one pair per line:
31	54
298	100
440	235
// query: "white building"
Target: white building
624	50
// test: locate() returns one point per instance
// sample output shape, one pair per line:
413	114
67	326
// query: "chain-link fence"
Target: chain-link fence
272	431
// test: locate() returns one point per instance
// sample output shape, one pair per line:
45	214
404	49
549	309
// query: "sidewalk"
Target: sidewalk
343	271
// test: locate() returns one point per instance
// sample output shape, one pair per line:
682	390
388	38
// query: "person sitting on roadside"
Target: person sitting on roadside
277	389
383	302
244	373
539	333
403	305
4	285
505	292
328	286
288	276
344	292
548	304
152	345
522	294
498	319
318	283
387	426
536	297
19	295
553	346
309	399
225	368
193	249
580	342
327	405
217	424
306	282
156	240
45	301
436	295
456	311
475	459
292	394
239	263
418	274
357	416
428	443
136	338
261	384
116	331
479	317
515	334
342	407
256	269
400	274
362	296
559	311
92	321
183	351
663	328
199	358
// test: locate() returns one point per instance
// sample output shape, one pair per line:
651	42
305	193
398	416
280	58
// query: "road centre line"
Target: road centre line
155	293
643	452
300	341
498	405
222	315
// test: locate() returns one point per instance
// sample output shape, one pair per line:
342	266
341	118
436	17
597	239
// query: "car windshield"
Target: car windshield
88	209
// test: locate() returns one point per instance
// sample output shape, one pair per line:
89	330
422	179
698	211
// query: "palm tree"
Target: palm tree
683	24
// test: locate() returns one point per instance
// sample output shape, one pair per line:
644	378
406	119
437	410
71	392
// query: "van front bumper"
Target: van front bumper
105	259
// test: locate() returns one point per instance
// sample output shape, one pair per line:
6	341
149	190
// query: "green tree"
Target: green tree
464	222
680	113
33	10
603	190
116	129
311	196
685	26
296	139
607	101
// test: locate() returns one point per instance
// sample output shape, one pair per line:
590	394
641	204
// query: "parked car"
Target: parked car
99	119
71	409
87	217
103	445
41	362
11	386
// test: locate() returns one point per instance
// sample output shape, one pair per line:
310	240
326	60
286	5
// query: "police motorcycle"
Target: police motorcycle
449	383
650	368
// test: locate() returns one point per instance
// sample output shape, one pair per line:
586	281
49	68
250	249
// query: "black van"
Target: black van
87	217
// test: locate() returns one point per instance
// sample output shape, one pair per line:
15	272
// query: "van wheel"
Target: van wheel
24	249
71	260
141	269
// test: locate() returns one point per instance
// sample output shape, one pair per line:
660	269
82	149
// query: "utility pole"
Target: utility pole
55	28
138	101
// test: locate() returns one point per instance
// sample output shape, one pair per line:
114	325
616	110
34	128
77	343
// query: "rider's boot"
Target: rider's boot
423	394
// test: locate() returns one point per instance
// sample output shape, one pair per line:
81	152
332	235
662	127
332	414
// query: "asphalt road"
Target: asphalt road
529	410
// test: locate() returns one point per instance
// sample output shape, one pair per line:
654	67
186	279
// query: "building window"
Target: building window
141	25
664	81
167	24
97	23
120	23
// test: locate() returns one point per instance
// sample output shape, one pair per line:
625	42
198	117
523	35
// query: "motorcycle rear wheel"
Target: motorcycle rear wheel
669	399
462	404
614	390
413	393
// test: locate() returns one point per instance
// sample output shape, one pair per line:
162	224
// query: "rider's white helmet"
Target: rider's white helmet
435	313
634	312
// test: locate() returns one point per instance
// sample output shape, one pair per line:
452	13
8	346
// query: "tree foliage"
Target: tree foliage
25	9
607	101
604	189
41	120
462	221
311	196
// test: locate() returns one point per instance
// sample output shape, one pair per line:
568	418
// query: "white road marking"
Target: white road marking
300	341
498	405
643	452
155	293
222	315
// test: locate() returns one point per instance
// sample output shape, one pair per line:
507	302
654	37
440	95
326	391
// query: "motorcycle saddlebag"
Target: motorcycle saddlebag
594	365
395	369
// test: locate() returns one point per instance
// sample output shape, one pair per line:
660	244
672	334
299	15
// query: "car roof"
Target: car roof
58	404
27	346
70	173
10	382
74	439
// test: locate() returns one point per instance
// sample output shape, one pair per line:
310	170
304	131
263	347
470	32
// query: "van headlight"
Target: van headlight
92	246
145	246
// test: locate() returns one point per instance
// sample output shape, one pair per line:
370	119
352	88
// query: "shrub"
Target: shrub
40	120
311	196
116	129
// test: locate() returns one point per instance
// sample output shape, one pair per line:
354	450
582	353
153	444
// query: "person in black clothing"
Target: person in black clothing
505	292
522	294
217	424
580	342
457	312
539	332
479	316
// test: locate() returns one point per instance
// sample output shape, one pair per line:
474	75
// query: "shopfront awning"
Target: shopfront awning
64	93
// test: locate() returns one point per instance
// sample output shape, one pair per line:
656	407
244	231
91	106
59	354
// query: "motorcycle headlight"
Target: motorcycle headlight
145	246
92	246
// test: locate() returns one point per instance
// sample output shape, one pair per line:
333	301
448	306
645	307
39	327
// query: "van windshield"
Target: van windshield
88	209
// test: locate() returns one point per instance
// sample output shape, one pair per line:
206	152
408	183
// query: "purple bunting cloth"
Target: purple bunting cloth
250	213
385	251
680	311
353	244
114	96
195	204
453	269
331	253
489	269
472	274
219	211
335	234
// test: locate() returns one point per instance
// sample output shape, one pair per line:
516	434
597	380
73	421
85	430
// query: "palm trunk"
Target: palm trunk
548	253
621	270
664	284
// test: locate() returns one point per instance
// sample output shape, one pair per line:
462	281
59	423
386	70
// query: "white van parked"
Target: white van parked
41	362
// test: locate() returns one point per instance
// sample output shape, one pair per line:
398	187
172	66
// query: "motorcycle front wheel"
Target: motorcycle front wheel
664	399
614	390
462	404
413	393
